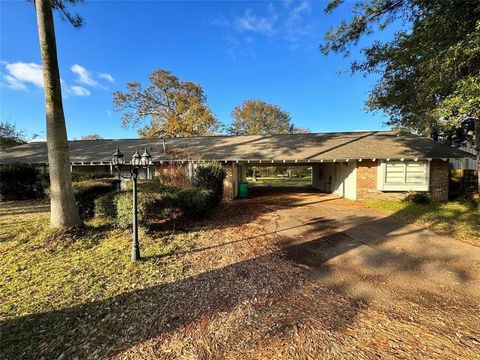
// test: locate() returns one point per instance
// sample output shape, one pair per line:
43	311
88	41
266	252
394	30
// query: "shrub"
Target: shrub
106	205
196	203
150	205
211	176
417	198
78	176
87	191
150	186
20	182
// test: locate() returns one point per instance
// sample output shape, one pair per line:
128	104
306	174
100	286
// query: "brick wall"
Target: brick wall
175	174
439	178
367	182
228	191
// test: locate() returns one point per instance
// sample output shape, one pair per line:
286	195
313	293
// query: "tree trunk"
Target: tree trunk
63	210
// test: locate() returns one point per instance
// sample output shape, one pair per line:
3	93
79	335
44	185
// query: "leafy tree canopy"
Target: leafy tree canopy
259	117
91	137
172	106
430	69
10	136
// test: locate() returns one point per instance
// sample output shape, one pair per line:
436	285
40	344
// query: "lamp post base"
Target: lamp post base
135	253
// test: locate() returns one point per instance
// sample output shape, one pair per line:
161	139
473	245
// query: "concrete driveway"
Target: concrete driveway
370	255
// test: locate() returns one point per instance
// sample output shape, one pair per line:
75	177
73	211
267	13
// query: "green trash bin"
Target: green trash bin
243	190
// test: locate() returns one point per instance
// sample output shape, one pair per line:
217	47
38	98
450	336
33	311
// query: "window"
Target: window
403	176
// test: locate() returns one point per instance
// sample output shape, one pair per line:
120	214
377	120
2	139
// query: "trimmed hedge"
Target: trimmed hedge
194	203
211	176
87	191
21	182
197	203
77	177
150	205
106	206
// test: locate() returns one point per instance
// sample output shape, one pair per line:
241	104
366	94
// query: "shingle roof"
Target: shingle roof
289	147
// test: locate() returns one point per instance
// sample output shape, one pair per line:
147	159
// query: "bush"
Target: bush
210	177
150	205
106	206
21	182
78	176
417	198
149	186
87	191
197	203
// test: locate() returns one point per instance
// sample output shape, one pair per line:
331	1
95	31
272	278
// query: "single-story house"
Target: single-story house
356	165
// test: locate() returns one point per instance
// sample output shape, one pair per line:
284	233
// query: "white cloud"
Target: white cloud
20	74
84	76
290	22
250	22
14	83
296	25
79	91
107	77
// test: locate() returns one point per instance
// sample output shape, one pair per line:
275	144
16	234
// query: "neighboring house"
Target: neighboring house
356	165
467	163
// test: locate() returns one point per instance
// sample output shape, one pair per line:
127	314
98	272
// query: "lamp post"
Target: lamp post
138	162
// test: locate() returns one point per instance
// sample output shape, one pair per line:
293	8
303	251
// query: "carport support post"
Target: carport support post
243	172
316	176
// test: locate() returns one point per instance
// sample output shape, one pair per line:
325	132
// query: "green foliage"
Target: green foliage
417	198
10	136
258	117
80	176
174	107
20	182
87	191
106	206
430	68
156	201
150	205
149	186
197	203
211	177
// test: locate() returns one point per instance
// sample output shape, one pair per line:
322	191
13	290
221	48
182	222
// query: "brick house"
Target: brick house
356	165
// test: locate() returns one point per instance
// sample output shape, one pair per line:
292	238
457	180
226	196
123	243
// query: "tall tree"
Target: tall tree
430	68
91	137
258	117
10	136
63	209
173	107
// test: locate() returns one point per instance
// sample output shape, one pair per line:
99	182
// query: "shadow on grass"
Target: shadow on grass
107	327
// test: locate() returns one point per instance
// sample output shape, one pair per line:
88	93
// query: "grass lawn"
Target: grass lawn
280	181
78	295
459	219
44	271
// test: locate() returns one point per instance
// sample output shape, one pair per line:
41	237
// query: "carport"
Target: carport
336	177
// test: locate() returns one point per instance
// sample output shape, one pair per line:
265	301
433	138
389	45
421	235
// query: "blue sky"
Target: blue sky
235	50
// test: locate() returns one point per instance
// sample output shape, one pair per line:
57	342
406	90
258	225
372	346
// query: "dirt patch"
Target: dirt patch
317	278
